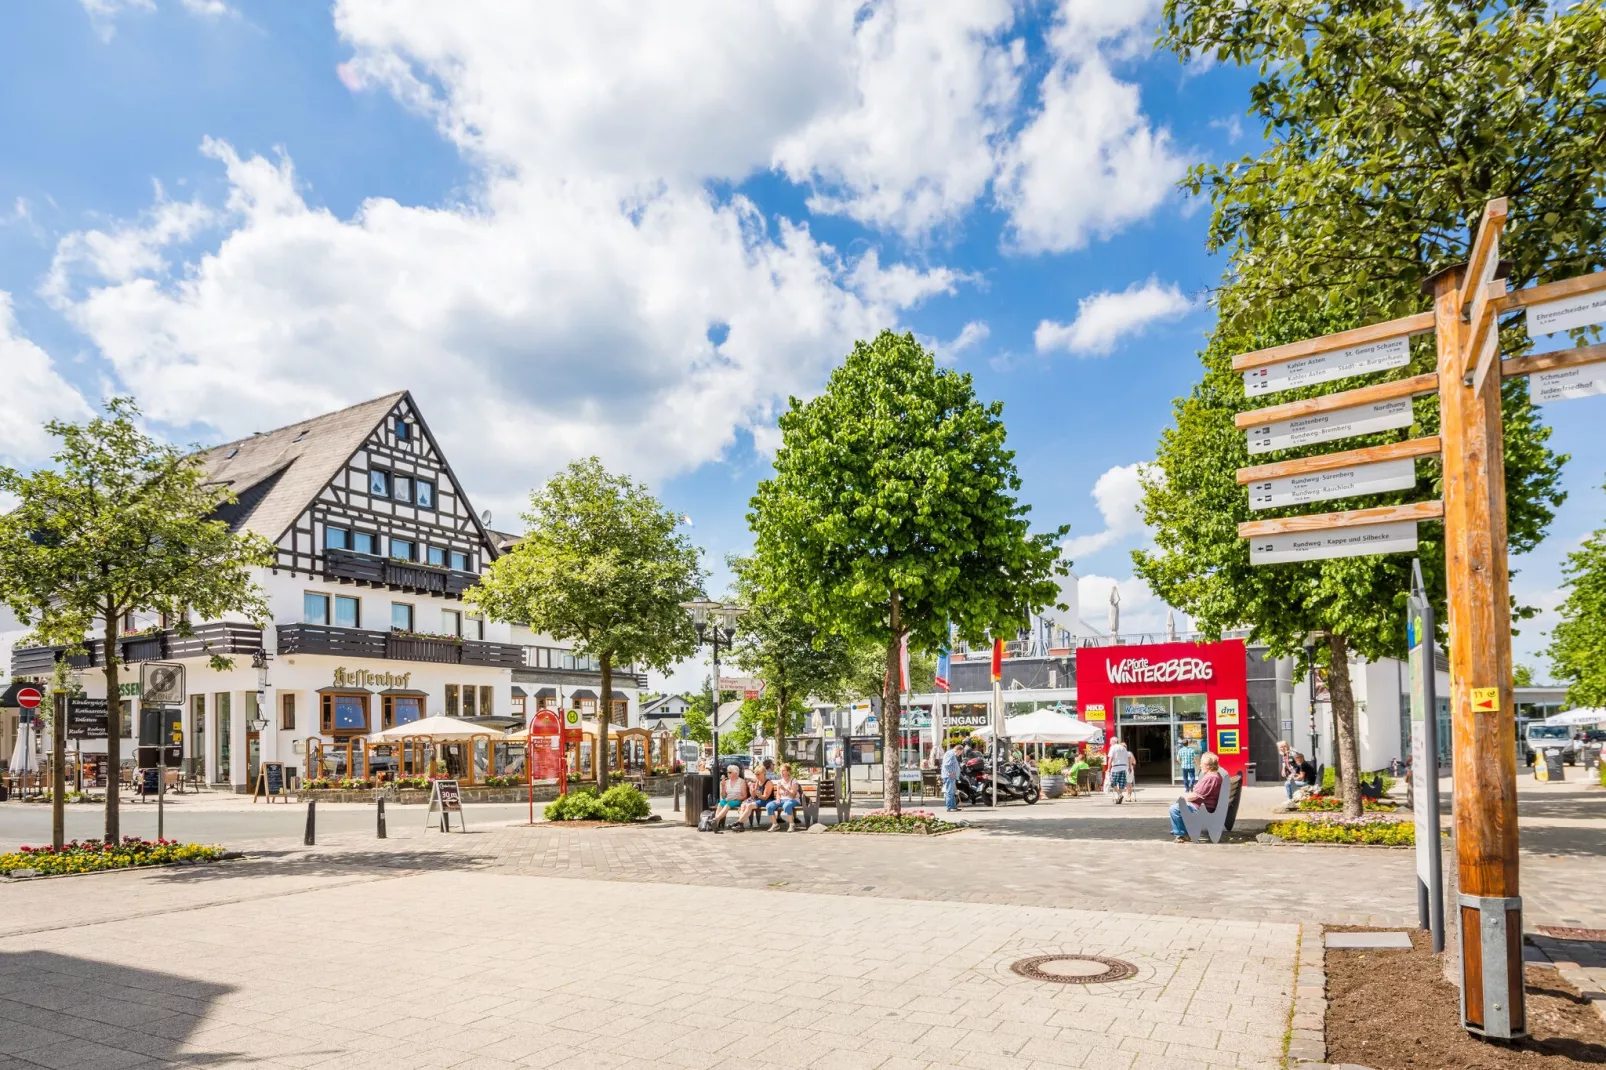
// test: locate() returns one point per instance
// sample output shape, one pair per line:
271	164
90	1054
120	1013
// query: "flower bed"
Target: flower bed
1330	804
908	822
1374	832
87	856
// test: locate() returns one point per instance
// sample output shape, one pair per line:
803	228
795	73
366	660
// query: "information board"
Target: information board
1348	482
1392	538
864	750
86	718
803	750
1564	384
1327	426
1325	367
1566	313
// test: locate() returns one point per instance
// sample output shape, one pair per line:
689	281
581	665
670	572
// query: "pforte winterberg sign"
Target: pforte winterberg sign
345	677
1142	671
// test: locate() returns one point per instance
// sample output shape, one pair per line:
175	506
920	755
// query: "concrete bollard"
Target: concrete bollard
381	818
312	823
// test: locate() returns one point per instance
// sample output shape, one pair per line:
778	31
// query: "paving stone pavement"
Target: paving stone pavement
478	969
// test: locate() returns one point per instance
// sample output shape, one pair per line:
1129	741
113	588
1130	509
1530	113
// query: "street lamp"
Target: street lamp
259	662
715	623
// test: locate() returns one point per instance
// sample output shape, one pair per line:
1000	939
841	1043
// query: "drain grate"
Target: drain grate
1074	969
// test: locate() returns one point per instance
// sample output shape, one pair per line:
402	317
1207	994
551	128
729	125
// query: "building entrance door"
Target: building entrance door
1151	749
253	758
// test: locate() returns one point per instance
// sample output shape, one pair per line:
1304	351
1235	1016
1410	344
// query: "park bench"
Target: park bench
1214	823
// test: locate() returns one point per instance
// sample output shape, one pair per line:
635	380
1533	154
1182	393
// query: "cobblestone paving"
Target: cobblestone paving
487	970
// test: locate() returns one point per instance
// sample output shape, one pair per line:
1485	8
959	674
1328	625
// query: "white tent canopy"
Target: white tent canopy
437	727
1588	715
1045	726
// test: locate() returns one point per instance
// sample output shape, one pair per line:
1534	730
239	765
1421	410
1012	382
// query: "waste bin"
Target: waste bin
698	795
1549	766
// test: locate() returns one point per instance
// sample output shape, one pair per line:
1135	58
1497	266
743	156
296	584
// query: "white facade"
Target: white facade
1382	691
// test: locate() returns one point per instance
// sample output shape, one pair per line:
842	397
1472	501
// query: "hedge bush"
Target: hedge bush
621	803
1052	766
1330	780
1377	833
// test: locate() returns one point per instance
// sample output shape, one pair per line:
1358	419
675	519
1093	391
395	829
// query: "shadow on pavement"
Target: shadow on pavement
64	1011
336	862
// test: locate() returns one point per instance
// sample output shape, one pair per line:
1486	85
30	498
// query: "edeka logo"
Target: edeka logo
363	678
1140	671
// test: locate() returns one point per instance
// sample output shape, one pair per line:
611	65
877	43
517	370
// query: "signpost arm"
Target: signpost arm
58	768
1484	753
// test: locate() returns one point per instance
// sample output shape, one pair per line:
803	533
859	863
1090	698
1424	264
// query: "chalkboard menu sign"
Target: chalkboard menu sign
86	718
445	798
451	798
149	782
270	783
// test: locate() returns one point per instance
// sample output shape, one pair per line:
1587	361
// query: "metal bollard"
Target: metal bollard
381	817
312	823
677	796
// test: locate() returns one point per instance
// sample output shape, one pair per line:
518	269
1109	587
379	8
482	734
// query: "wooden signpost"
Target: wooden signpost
1467	301
270	783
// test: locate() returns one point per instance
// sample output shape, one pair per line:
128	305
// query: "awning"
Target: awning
1588	715
546	692
405	691
518	692
438	727
584	692
620	694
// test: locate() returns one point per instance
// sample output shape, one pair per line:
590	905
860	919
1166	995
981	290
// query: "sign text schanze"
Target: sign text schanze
363	678
1142	671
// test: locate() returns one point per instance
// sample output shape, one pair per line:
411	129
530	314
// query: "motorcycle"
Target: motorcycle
975	783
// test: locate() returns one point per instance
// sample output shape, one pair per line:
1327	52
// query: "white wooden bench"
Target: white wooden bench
1214	823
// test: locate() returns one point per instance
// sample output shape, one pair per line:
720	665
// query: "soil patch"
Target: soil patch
1393	1010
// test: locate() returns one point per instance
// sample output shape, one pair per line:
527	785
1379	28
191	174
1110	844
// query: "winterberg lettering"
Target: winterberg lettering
1140	671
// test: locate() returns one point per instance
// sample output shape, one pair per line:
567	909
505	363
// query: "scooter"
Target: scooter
975	783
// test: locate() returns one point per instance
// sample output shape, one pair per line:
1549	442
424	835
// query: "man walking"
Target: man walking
1119	761
950	778
1188	759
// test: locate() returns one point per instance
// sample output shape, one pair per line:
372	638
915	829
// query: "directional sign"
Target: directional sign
1560	384
1566	313
1325	367
1327	426
1347	482
1486	699
1395	538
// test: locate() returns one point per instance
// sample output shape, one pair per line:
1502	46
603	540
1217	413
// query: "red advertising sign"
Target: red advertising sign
546	750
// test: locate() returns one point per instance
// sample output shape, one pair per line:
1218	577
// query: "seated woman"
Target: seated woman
759	792
732	795
788	797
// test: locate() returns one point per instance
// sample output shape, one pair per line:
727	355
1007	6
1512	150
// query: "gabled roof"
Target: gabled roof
276	474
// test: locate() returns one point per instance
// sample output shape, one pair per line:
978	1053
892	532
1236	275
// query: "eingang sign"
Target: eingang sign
1173	670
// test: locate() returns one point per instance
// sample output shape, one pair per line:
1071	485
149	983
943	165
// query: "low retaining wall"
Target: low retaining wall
657	786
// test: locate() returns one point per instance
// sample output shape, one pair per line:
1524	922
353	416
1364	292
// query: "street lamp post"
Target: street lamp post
716	627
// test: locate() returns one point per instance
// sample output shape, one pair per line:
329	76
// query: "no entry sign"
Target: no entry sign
29	697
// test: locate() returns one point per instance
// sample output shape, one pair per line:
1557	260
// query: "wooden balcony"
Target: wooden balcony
392	646
348	566
222	637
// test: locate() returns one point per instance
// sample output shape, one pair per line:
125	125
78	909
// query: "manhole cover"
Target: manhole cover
1074	969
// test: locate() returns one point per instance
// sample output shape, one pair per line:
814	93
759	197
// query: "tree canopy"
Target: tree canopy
1578	641
122	523
601	566
893	510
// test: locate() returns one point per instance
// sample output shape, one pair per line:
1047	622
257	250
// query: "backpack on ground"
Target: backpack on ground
705	821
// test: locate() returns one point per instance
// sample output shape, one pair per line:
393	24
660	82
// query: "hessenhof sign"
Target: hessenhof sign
1140	671
345	677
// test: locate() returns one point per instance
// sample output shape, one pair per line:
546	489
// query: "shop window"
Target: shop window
198	736
348	611
518	705
401	488
365	542
451	622
287	712
424	491
401	616
222	736
485	700
459	561
379	483
435	555
314	608
401	709
127	708
344	713
401	549
469	704
336	538
452	707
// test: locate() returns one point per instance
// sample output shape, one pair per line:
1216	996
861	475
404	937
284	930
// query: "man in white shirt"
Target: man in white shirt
1119	762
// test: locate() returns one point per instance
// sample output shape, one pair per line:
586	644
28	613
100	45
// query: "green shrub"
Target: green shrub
624	802
579	805
1386	833
1330	780
1052	766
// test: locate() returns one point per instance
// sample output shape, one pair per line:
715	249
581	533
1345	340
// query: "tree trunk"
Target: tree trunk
604	708
780	720
1346	748
114	729
891	708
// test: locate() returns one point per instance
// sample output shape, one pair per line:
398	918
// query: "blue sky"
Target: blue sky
627	229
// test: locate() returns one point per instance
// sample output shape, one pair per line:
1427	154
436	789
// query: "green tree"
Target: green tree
893	511
1522	676
777	642
1390	126
762	715
121	524
1578	641
699	723
601	566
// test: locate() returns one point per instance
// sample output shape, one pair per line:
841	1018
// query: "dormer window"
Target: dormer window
231	454
299	437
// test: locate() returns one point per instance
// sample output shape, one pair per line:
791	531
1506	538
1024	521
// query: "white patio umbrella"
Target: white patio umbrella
437	727
1587	715
1045	726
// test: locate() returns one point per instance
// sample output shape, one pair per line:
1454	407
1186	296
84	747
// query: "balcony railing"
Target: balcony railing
561	662
352	567
363	643
220	637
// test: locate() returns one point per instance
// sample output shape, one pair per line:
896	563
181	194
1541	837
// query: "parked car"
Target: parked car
1540	736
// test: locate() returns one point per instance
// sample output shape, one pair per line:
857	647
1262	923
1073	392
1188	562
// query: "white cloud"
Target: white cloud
33	393
1105	317
973	333
901	284
103	14
1089	161
208	8
1118	494
912	142
127	250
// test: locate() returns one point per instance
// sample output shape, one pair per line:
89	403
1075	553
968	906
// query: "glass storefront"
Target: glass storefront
1154	728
